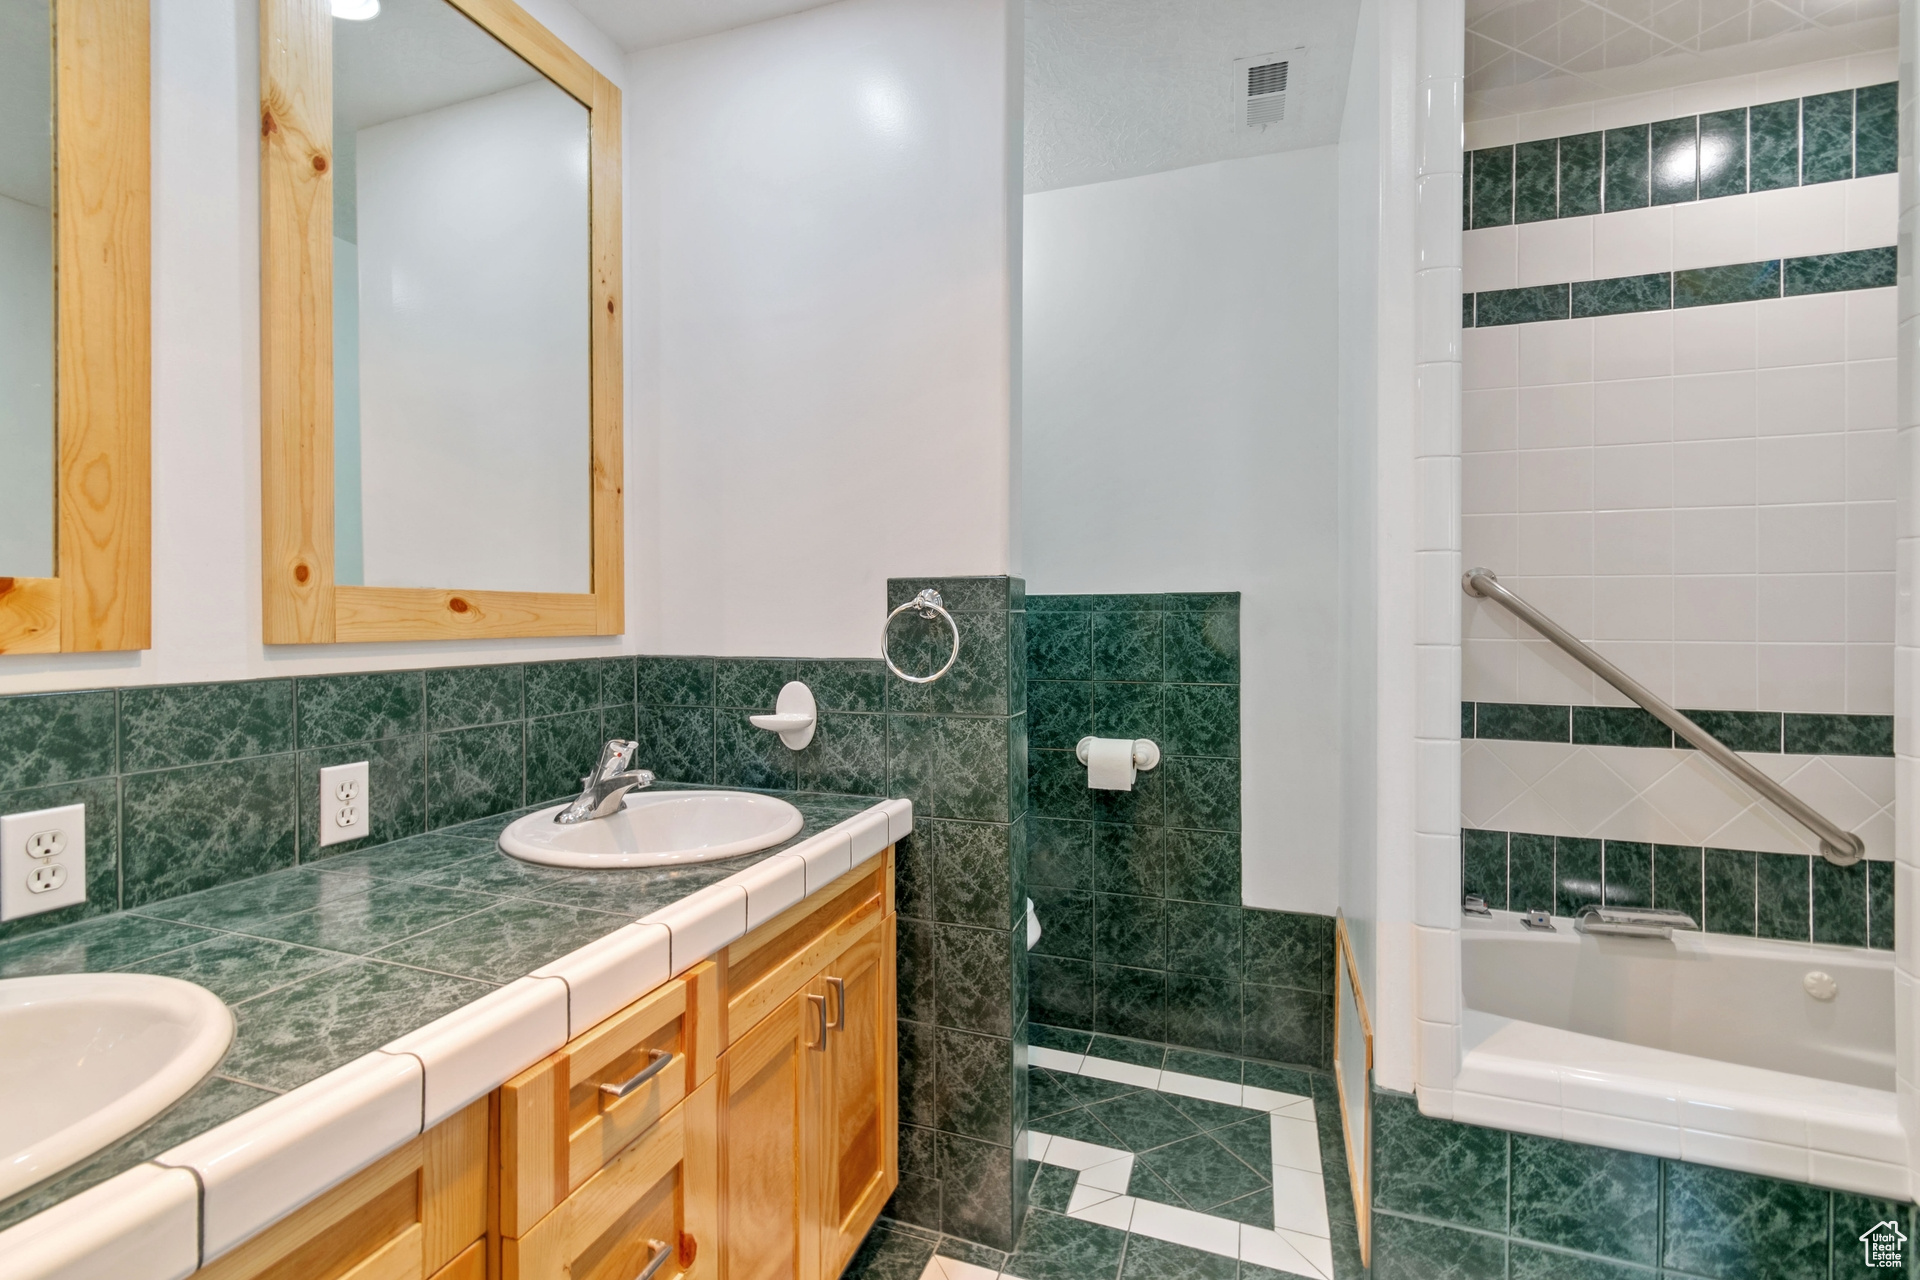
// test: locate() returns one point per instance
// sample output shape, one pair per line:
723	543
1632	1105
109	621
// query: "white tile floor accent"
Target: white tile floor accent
1299	1242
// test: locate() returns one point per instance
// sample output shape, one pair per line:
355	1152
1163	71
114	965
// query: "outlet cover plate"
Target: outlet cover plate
344	795
44	847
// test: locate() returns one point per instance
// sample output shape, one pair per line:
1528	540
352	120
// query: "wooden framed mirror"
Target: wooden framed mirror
440	325
75	390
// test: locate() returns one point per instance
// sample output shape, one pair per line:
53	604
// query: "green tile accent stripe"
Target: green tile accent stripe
1689	287
1828	137
1804	733
1459	1200
1788	897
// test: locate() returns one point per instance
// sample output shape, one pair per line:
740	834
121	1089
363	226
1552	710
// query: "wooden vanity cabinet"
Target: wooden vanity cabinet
418	1213
762	1143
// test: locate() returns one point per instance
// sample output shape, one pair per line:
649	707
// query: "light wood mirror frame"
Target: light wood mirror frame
301	603
100	597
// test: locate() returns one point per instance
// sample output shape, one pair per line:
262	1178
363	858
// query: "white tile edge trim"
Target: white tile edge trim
142	1225
261	1165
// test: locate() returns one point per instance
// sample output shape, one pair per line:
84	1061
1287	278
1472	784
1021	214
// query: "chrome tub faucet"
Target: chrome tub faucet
605	789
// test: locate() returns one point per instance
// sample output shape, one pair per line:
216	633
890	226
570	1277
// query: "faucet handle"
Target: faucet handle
614	758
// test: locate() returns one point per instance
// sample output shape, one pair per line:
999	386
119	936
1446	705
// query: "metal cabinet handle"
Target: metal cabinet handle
661	1252
819	1004
657	1060
839	986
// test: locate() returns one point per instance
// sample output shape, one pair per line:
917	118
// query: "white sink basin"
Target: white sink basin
656	829
87	1058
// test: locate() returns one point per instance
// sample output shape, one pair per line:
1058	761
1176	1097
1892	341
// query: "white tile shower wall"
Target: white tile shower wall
1668	797
1827	76
1705	495
1830	217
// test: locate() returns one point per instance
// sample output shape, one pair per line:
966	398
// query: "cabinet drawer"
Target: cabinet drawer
413	1213
564	1118
763	970
656	1197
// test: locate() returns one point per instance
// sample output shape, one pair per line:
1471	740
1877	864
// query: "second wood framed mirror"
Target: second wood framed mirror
440	326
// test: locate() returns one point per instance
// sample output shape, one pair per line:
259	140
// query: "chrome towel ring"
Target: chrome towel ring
929	605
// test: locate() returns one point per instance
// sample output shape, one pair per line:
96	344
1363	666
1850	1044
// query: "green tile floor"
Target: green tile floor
1148	1162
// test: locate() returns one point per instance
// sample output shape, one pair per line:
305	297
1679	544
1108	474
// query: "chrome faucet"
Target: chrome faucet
605	789
1632	922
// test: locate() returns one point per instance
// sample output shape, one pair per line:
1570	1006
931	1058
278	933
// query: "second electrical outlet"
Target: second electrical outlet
344	802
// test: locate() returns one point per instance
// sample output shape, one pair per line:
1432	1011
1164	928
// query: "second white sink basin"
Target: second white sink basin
656	828
87	1058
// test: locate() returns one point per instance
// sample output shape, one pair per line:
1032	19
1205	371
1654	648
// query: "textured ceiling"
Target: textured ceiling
642	24
1119	88
1525	55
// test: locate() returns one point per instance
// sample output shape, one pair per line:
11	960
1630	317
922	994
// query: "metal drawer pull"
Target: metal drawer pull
839	986
661	1252
657	1060
819	1004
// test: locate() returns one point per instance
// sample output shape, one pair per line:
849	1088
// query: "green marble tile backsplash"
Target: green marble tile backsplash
191	786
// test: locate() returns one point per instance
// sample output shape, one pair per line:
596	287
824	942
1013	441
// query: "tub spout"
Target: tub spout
1632	922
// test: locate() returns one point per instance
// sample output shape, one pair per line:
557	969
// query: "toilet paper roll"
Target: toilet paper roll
1033	925
1110	764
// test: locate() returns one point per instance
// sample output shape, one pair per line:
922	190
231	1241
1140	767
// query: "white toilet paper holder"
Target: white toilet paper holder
1146	752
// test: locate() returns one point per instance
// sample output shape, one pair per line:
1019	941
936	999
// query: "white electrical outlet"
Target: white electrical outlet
43	860
344	801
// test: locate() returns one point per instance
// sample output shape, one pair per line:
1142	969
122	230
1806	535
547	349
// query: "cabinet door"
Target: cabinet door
768	1136
857	1168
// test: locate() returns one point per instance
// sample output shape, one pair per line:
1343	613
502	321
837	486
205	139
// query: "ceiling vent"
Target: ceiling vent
1266	94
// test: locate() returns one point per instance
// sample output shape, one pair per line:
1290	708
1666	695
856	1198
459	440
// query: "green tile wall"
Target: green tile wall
189	786
1458	1200
1692	287
1789	897
1792	732
1138	893
958	749
1825	138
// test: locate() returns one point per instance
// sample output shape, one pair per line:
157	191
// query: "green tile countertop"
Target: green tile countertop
324	962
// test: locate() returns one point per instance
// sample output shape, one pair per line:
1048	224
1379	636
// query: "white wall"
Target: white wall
823	224
26	390
474	367
1180	412
206	379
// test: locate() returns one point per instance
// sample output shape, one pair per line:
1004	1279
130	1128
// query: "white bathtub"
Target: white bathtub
1705	1048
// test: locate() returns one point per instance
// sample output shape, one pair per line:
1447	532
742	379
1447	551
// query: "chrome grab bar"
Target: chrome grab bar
1632	922
1842	848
